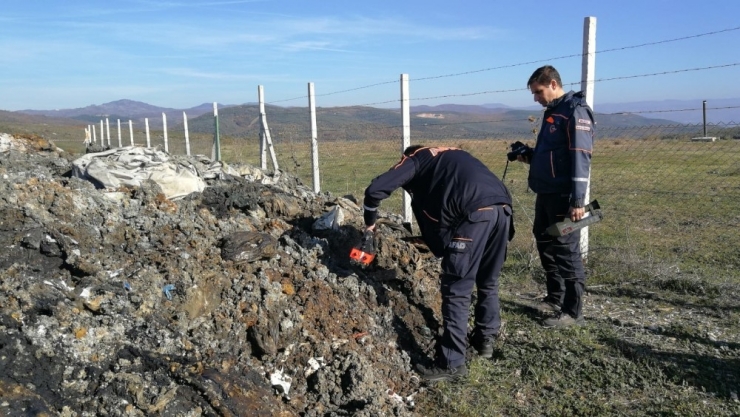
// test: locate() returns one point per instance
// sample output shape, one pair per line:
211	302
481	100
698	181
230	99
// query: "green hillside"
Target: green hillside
367	123
355	123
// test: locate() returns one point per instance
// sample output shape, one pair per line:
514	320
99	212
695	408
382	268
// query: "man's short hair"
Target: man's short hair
543	76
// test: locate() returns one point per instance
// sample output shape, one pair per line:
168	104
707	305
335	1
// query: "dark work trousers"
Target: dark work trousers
560	256
473	258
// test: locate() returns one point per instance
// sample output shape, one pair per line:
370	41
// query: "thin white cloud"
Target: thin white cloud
181	4
311	46
210	75
276	30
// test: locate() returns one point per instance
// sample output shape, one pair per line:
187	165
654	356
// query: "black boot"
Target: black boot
484	346
447	373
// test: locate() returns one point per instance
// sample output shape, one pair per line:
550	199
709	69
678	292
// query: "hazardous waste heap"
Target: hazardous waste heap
237	300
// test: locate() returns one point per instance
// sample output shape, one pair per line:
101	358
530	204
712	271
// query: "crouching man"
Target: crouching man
464	213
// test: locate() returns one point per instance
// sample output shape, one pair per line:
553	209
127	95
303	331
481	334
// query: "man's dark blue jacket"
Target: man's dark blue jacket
445	184
561	161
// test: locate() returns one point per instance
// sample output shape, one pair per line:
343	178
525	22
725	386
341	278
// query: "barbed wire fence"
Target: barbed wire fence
670	201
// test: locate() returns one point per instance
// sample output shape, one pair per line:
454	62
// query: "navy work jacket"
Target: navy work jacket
446	185
561	161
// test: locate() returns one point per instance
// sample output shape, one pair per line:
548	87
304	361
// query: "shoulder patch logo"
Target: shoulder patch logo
553	128
584	121
550	120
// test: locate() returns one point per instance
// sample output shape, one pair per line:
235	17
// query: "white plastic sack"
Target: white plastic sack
131	165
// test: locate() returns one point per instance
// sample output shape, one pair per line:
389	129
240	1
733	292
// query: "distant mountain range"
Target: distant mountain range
446	121
682	111
125	110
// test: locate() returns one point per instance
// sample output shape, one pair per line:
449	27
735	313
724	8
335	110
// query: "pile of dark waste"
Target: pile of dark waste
239	300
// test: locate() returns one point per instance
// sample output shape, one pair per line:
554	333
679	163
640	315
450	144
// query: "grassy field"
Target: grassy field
663	317
672	202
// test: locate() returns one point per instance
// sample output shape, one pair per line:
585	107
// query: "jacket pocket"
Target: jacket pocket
559	165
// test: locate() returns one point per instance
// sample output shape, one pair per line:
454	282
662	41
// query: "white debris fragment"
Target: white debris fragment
314	364
85	293
408	401
113	274
330	220
338	342
61	285
394	396
280	382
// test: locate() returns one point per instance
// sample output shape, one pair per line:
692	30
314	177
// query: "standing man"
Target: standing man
464	214
559	173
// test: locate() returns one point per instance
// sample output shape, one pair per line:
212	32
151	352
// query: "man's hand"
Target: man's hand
370	228
576	213
522	158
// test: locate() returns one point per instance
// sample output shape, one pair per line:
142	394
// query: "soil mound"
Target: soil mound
233	301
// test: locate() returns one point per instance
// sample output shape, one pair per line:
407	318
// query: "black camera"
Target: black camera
518	148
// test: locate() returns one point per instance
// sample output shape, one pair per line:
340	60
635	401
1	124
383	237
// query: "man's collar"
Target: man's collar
554	103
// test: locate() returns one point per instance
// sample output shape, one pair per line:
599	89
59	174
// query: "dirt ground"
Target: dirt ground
227	302
237	302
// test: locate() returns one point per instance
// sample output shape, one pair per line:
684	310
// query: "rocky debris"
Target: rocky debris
225	302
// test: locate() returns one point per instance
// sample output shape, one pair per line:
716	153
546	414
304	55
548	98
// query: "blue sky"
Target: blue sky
59	55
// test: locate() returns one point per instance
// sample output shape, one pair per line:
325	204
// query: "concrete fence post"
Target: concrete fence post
588	75
216	151
405	138
187	136
120	144
265	129
314	139
148	138
164	127
107	129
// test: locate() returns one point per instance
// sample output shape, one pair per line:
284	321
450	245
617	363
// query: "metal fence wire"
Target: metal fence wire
670	200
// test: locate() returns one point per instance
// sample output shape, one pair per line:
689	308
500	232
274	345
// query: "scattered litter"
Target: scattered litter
330	220
394	396
314	364
286	353
126	286
338	342
281	382
61	285
167	290
85	293
408	401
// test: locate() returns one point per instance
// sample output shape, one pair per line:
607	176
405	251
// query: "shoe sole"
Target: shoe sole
485	354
